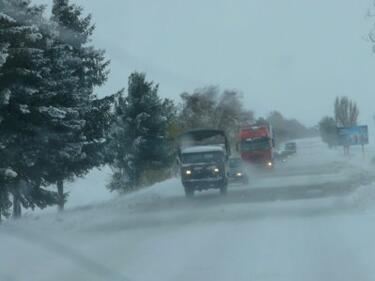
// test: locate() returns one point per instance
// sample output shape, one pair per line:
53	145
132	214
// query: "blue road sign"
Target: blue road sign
356	135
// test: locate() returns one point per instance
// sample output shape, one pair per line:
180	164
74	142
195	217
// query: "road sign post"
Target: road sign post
355	135
363	152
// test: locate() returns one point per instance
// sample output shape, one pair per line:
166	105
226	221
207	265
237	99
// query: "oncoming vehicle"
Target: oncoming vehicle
203	161
280	155
237	172
290	148
256	145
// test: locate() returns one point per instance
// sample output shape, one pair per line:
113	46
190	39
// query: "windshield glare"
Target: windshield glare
251	145
235	163
207	157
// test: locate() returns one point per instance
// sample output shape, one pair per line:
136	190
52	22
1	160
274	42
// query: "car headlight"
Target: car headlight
216	170
188	172
269	164
239	174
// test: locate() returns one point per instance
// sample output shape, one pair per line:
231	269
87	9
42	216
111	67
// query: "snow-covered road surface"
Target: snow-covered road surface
312	219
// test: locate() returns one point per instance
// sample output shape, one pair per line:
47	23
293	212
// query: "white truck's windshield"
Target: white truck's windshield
204	157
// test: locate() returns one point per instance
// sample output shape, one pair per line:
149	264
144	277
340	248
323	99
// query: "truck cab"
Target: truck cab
256	145
203	161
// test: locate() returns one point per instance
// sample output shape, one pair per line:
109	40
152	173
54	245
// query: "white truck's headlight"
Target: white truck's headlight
216	170
239	174
188	172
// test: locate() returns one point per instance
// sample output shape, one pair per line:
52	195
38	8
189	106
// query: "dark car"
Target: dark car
290	148
237	172
280	155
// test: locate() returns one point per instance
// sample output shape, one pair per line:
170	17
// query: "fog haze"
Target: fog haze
292	56
129	189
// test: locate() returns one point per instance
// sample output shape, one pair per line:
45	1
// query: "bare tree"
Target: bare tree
346	112
230	113
198	108
210	108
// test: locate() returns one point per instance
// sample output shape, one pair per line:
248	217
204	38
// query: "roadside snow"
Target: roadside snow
310	220
90	189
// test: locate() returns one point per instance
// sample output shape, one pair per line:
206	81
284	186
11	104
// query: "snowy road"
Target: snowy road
312	219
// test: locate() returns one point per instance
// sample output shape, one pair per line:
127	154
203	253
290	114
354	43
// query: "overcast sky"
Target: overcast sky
293	56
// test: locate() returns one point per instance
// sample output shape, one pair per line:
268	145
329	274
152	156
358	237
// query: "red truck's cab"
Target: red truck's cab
256	145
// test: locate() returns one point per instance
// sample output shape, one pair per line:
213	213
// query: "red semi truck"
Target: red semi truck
256	145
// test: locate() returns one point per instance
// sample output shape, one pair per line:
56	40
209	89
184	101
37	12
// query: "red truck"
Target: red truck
256	145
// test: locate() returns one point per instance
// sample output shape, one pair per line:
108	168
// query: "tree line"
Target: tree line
53	127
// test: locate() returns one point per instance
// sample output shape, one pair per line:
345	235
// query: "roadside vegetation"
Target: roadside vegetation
54	128
345	114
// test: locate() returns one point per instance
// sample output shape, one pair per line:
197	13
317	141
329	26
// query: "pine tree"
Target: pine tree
22	72
79	68
5	203
51	124
6	178
139	134
5	21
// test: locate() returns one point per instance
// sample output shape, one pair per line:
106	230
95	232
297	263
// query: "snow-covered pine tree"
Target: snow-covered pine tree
6	177
22	72
97	127
82	68
47	106
138	138
5	204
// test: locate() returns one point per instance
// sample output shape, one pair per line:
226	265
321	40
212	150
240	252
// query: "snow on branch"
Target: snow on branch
53	112
24	108
9	173
6	18
4	97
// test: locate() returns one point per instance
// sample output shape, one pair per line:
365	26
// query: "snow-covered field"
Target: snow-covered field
312	219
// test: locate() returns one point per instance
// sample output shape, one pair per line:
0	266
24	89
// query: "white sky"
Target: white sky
292	55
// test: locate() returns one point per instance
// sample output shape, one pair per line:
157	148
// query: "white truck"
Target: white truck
203	157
